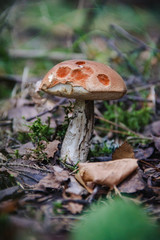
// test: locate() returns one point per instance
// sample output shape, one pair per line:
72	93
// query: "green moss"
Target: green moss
115	220
134	118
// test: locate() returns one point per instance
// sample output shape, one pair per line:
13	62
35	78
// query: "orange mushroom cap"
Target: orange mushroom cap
83	79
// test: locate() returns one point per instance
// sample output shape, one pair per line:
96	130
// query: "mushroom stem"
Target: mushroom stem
76	142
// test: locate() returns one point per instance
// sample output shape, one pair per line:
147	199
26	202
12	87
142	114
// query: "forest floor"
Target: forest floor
41	196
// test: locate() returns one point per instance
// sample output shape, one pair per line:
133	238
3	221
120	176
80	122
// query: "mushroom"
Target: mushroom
84	81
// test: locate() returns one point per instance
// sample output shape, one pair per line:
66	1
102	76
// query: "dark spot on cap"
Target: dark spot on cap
63	72
103	79
80	62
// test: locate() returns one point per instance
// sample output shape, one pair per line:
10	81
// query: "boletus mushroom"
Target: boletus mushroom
84	81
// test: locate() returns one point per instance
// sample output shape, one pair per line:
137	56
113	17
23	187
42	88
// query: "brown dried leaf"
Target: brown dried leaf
75	188
157	142
132	184
8	206
51	148
52	180
155	128
71	206
124	151
26	148
144	153
3	158
107	173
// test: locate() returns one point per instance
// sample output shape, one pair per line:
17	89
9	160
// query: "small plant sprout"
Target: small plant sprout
84	81
39	133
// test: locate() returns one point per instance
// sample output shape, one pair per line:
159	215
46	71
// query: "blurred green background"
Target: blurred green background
38	34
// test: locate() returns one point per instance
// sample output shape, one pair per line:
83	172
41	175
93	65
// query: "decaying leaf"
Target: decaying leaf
144	153
124	151
51	148
20	124
157	142
8	206
71	206
132	184
75	188
25	148
107	173
2	157
52	180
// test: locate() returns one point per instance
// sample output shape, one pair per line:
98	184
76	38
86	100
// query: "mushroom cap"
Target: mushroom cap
83	79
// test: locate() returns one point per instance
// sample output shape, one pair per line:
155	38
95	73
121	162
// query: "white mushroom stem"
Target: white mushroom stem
76	142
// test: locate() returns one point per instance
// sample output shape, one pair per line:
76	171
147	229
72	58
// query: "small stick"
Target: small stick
111	130
120	126
26	166
47	111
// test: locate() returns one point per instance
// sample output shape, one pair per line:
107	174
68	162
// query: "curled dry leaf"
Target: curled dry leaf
124	151
107	173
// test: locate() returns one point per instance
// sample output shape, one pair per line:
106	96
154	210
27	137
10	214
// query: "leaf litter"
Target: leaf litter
49	189
52	188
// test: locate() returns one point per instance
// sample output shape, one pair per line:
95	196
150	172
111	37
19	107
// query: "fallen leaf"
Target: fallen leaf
107	173
25	148
152	129
8	206
144	153
80	180
52	180
157	142
20	124
71	206
124	151
132	184
51	148
155	128
75	188
8	192
3	158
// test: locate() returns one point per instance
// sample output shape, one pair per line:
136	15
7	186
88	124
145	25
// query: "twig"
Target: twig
66	217
129	36
119	125
93	194
131	68
111	130
25	166
35	54
5	122
149	164
136	98
11	78
146	86
48	111
79	201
